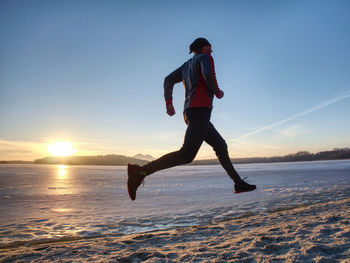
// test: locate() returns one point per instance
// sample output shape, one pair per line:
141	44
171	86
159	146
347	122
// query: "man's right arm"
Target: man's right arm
169	82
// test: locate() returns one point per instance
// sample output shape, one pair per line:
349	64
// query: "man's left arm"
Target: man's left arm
208	72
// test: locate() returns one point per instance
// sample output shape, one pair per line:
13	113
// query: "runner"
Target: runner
198	77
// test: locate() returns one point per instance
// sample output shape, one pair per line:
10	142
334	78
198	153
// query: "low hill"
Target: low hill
146	157
110	159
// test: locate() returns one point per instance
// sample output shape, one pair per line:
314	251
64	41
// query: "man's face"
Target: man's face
206	49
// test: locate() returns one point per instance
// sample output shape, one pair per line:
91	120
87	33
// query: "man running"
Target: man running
198	77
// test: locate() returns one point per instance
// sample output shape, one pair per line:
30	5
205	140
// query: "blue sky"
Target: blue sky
91	73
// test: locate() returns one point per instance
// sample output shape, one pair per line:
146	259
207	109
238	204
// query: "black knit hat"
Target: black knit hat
198	44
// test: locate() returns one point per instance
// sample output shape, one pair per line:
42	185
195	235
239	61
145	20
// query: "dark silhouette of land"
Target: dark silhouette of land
335	154
146	157
16	162
121	160
110	159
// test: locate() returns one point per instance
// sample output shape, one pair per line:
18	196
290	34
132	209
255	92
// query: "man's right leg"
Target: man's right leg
198	122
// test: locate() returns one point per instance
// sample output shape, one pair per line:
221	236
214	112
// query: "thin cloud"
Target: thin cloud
20	150
291	131
315	108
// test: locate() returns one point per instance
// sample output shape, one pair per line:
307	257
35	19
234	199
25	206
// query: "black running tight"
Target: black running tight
199	129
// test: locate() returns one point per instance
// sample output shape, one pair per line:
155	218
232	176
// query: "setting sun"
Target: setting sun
61	149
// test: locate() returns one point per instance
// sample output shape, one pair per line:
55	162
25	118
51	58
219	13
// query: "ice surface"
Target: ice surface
40	203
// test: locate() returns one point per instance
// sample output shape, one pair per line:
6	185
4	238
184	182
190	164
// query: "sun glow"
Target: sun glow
61	149
62	170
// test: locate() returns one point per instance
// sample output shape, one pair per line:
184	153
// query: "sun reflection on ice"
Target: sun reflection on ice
62	185
62	188
62	209
62	172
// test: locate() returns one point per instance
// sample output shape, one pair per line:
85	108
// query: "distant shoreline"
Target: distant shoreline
16	162
302	156
120	160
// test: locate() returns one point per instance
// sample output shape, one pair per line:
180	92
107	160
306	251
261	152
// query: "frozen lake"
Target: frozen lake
41	203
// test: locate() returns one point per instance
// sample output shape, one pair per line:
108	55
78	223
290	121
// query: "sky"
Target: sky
92	72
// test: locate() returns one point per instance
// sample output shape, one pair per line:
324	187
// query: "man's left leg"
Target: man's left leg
215	140
219	145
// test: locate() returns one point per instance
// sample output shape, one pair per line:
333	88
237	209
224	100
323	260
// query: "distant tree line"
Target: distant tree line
16	162
336	154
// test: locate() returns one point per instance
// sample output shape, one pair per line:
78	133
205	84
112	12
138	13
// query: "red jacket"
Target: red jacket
198	77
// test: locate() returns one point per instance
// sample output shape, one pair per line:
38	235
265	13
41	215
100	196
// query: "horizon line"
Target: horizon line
334	149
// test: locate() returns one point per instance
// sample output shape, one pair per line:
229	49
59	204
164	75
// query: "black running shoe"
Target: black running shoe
135	178
242	187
